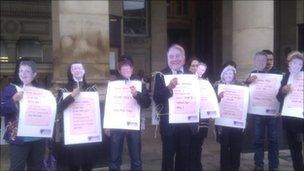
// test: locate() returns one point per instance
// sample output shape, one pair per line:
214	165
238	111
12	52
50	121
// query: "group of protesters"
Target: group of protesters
181	142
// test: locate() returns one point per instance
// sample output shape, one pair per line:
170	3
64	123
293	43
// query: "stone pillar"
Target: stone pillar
158	35
252	31
227	30
81	33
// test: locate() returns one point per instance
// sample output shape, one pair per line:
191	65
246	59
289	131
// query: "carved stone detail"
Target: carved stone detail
35	27
11	26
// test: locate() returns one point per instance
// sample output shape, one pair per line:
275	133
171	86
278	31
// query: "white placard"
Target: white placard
82	123
37	113
293	102
233	106
185	102
209	107
263	92
121	109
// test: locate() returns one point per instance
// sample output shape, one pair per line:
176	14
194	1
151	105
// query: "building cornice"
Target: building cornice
34	9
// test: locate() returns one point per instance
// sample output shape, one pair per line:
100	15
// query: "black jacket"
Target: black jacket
161	96
63	103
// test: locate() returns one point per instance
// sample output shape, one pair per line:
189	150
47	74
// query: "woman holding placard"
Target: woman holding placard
230	138
79	156
291	97
25	152
197	140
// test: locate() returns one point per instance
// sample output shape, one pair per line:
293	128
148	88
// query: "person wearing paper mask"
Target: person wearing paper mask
25	152
79	156
261	123
229	138
294	127
197	140
125	70
175	137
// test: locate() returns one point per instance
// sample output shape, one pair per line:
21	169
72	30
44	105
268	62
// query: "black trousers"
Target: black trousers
295	145
231	147
30	154
195	154
80	156
176	148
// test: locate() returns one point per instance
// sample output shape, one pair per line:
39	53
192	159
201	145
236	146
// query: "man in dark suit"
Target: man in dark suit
175	137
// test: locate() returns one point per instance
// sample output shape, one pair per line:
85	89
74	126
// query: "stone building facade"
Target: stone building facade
56	33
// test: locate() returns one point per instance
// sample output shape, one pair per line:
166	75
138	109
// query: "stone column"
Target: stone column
81	33
158	35
252	31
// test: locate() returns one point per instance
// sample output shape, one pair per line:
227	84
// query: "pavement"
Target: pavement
151	153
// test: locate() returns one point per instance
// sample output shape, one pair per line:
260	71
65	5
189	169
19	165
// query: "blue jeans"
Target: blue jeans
134	146
261	124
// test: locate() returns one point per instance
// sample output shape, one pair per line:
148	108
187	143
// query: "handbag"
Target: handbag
49	162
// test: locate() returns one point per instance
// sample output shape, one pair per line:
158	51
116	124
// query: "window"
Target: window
30	49
135	17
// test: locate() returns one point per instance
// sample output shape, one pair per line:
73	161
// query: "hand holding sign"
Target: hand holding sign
172	84
18	96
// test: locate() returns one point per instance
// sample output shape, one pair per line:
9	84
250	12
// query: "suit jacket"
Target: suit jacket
161	96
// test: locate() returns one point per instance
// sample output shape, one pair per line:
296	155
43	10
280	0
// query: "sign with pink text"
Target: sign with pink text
185	101
37	112
209	107
263	92
293	103
82	122
233	106
121	109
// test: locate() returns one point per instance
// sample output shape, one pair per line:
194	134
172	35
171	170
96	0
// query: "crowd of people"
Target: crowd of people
181	143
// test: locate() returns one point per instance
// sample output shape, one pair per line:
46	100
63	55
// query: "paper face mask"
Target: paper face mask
77	71
175	58
260	62
228	76
295	66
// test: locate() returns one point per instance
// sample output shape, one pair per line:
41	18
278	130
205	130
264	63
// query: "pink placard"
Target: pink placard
184	101
206	102
264	91
37	113
296	95
83	117
124	102
231	105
